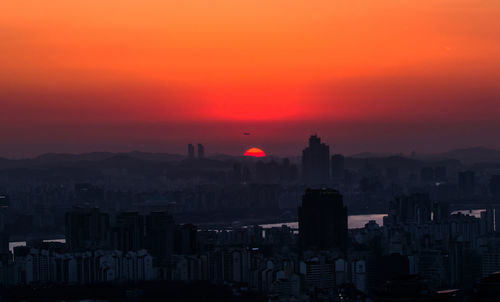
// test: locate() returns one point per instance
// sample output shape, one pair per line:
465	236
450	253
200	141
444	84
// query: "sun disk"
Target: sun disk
255	152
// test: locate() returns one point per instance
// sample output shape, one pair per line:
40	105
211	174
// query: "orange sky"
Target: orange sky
104	64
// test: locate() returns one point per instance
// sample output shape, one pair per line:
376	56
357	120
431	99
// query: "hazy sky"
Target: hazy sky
155	75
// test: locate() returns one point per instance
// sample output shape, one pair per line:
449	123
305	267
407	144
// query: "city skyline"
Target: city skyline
250	150
238	149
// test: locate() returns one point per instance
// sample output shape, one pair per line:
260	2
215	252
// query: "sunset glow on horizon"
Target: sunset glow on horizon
114	65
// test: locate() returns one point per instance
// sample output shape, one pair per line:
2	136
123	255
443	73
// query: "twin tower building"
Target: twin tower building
201	151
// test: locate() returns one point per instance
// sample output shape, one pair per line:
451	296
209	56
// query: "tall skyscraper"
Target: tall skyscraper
4	236
285	171
337	166
495	192
441	211
322	220
185	239
190	151
201	151
316	162
160	229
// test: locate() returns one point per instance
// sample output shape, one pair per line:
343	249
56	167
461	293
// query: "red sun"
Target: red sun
255	152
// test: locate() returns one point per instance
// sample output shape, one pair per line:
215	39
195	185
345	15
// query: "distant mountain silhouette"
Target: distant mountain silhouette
91	159
155	156
374	155
98	156
120	160
136	162
68	157
382	162
467	155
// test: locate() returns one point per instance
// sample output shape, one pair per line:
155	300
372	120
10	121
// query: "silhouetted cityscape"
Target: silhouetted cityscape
126	227
249	150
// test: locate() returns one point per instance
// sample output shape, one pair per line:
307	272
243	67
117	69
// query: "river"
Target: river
359	221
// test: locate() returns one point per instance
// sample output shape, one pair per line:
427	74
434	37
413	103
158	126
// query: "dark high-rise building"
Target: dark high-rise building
285	170
466	183
201	151
441	211
288	171
337	166
488	221
4	243
316	162
322	220
190	151
160	229
4	236
185	239
87	228
497	219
